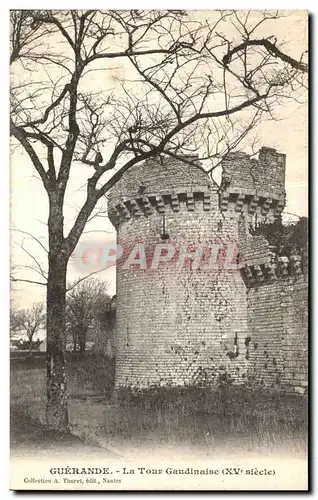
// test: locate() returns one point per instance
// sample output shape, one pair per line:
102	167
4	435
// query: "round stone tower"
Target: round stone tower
181	299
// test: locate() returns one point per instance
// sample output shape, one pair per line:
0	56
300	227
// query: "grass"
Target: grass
90	376
197	417
207	419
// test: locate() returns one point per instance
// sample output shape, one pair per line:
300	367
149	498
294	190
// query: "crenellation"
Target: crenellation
123	210
135	208
160	204
190	201
206	201
253	204
224	201
268	271
239	202
175	203
263	177
266	206
296	264
147	205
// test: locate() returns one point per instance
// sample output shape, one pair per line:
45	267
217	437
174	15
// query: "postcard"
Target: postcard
159	250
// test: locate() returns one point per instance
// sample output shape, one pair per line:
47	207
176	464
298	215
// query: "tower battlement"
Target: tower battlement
254	182
157	186
271	270
161	185
265	175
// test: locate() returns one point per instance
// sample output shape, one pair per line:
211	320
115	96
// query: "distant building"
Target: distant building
42	347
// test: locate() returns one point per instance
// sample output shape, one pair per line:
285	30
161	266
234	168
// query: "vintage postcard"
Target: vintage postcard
159	254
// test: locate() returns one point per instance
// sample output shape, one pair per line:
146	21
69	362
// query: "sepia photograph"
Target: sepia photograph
159	250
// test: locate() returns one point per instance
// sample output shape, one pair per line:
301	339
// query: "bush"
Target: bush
91	374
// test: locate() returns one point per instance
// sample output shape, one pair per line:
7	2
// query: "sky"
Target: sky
29	205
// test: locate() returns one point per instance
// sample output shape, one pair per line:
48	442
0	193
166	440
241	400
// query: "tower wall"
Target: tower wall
277	303
256	184
263	176
185	326
278	319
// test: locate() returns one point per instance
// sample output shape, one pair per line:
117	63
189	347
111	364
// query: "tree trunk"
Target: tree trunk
82	343
56	410
30	348
74	343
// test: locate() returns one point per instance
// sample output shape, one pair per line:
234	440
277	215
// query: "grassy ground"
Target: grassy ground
196	419
88	378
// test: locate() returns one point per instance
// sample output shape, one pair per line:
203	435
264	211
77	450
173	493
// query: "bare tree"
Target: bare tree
14	321
104	325
83	306
190	89
29	321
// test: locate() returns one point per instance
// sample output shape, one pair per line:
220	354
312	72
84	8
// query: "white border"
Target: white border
4	183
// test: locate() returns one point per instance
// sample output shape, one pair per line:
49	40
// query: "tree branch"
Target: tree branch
12	278
113	55
73	285
271	48
21	136
160	147
48	109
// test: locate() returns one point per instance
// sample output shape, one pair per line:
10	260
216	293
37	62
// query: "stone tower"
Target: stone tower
182	301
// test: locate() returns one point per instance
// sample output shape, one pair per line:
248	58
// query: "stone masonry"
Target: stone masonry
245	322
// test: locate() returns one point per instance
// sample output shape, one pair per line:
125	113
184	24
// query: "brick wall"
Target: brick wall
278	319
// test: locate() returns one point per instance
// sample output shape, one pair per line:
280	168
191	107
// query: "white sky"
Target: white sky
28	198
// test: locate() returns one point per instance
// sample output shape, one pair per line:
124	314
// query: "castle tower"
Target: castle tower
186	306
176	323
199	298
